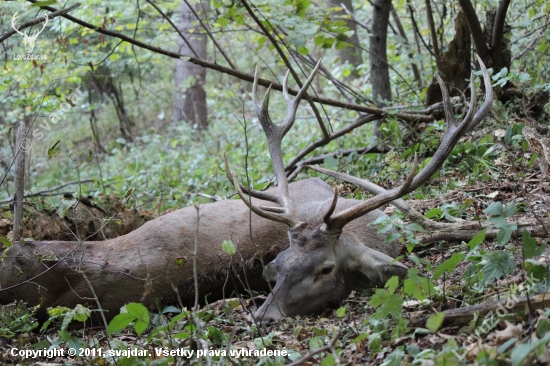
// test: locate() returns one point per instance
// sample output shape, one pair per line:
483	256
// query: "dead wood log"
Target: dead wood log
500	308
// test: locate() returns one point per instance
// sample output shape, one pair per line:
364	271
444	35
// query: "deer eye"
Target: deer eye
327	270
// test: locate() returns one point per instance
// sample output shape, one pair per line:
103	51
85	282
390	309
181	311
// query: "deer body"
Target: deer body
141	266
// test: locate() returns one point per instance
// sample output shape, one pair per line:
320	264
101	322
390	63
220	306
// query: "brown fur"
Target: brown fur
141	266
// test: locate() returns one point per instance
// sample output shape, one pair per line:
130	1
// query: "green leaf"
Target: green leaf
498	264
449	265
331	163
216	335
495	208
435	321
54	150
5	242
521	352
510	210
415	227
303	51
328	360
120	322
222	22
139	311
341	312
387	303
417	286
391	285
476	240
529	245
229	247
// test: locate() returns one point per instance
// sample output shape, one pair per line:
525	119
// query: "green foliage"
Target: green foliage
229	247
131	313
15	318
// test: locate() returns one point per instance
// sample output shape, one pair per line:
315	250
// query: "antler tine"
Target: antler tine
292	105
337	222
279	217
251	192
274	134
454	132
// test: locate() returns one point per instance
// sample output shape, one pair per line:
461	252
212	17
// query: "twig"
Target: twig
320	159
167	18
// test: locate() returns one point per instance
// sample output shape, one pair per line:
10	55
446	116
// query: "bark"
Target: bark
20	146
189	96
454	66
352	53
380	76
498	55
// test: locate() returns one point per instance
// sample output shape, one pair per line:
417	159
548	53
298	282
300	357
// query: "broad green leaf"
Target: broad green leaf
341	312
494	208
417	286
510	209
434	212
498	264
120	322
229	247
392	283
139	311
387	304
449	265
476	240
529	245
435	321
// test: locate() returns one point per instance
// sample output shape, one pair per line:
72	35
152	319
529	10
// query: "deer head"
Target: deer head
323	263
29	41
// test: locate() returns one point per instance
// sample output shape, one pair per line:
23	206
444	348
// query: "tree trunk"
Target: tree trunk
352	53
190	97
379	73
18	198
454	66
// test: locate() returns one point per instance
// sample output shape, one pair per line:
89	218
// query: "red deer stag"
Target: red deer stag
146	263
324	260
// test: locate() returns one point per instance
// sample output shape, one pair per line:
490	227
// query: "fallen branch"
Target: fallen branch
51	191
464	315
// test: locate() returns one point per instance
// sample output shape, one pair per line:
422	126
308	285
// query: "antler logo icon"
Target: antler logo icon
29	41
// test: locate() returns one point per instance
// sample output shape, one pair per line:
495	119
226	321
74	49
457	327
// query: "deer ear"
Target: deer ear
270	272
379	267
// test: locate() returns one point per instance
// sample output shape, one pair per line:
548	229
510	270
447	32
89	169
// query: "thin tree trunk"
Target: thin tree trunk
403	34
380	76
352	53
20	149
190	97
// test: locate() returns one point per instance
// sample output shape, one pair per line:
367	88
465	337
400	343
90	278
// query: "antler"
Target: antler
455	131
286	213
